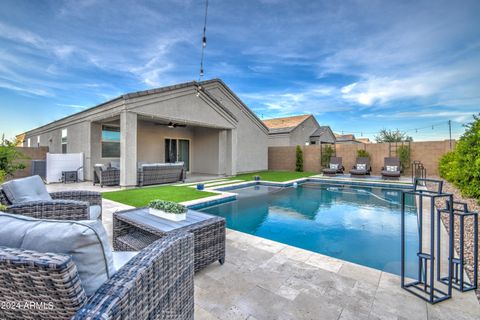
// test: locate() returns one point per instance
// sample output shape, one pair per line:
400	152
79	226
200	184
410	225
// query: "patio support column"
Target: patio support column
128	149
231	156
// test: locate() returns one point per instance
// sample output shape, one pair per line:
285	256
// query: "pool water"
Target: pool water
356	224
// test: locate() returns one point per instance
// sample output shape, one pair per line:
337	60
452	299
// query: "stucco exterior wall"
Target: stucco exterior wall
279	140
302	133
205	152
252	137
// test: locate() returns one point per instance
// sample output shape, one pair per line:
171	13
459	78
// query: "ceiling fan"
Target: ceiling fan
172	125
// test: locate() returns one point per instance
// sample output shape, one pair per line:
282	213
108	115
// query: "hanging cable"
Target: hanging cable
204	42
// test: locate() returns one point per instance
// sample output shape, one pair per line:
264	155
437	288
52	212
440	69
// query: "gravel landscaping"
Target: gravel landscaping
473	205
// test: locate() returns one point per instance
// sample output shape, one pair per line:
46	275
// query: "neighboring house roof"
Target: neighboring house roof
345	137
285	124
196	84
320	131
364	140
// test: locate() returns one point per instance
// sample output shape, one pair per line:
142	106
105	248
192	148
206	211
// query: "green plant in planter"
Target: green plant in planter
404	156
362	153
168	206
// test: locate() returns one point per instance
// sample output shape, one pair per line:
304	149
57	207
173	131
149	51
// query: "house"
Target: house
297	130
203	124
350	139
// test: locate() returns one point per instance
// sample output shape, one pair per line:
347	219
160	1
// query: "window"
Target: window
38	141
110	142
64	140
28	142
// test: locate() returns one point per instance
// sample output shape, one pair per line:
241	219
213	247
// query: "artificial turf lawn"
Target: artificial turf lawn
140	197
276	176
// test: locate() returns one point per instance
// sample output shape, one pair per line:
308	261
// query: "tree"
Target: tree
392	136
9	156
462	165
299	159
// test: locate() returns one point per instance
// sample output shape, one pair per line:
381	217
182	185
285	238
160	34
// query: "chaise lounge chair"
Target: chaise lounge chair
29	197
391	168
334	167
362	167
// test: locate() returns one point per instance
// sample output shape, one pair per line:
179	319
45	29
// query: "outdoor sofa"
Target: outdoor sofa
335	166
362	167
29	197
147	173
65	269
391	169
157	173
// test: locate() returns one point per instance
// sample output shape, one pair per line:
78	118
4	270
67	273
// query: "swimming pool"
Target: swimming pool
356	224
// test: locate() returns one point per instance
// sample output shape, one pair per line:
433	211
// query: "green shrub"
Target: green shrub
404	156
327	153
167	206
9	156
299	159
362	153
2	175
3	208
462	165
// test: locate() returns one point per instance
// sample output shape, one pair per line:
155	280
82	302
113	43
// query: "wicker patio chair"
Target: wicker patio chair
157	283
65	205
357	171
331	170
391	163
106	176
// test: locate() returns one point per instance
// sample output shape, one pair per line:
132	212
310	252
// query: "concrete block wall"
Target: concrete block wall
428	152
39	153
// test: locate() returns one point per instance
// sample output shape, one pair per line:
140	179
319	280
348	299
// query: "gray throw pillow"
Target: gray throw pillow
85	241
26	189
334	166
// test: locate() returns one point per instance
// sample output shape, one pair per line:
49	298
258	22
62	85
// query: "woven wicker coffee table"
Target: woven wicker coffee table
135	229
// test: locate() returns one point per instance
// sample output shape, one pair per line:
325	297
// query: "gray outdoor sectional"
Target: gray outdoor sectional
147	173
155	283
29	197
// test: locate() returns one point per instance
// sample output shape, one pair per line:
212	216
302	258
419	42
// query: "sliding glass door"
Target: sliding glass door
178	150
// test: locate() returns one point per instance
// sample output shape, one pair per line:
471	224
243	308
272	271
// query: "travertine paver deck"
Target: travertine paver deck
263	279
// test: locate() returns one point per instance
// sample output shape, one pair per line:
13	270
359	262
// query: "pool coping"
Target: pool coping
224	193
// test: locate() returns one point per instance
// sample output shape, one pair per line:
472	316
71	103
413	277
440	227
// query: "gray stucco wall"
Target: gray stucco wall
205	155
252	140
279	140
302	133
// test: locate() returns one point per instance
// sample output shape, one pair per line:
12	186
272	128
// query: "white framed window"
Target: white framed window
64	140
28	142
110	141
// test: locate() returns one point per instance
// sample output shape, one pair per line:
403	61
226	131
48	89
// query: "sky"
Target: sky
358	66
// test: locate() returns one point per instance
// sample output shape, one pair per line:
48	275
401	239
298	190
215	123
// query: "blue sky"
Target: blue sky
359	66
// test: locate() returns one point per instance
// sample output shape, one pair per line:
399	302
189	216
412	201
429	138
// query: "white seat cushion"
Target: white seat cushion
85	241
94	212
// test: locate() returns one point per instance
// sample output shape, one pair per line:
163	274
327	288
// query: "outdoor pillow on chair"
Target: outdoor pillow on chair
26	189
334	166
361	166
85	241
391	168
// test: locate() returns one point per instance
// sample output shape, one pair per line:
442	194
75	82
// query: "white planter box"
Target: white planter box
168	216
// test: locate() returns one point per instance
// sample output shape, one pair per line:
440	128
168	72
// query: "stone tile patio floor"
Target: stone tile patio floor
263	279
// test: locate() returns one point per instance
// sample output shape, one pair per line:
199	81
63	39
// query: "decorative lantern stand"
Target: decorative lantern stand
460	210
424	286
